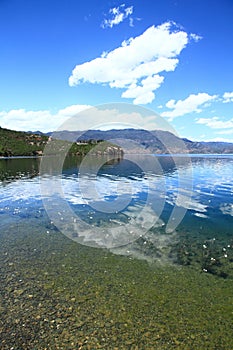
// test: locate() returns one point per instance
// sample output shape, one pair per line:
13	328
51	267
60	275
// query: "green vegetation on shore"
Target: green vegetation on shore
19	143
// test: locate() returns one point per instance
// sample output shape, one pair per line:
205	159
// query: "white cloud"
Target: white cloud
69	111
216	123
228	97
144	94
118	15
83	117
43	120
191	104
195	37
218	139
226	132
131	22
20	119
136	64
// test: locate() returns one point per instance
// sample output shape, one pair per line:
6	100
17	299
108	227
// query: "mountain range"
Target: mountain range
14	143
142	141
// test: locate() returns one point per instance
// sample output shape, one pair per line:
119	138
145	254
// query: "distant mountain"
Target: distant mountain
209	147
157	141
38	132
132	140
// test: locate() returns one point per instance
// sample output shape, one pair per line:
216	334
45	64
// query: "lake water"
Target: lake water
81	242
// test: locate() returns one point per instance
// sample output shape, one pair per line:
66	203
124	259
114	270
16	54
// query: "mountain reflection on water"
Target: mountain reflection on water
200	185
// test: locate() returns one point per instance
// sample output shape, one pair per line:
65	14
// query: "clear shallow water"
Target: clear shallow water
200	190
57	294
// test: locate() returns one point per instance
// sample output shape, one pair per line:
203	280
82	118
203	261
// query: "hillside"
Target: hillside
18	143
157	141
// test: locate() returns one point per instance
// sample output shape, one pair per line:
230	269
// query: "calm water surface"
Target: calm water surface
37	261
203	187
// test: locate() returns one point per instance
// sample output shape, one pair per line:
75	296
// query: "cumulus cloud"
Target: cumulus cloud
136	64
228	97
43	120
118	15
83	117
216	123
191	104
144	94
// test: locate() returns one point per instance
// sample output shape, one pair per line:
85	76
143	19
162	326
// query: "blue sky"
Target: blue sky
171	56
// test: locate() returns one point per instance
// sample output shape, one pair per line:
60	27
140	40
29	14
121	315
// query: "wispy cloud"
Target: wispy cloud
228	97
118	15
195	37
136	64
226	132
216	123
217	139
191	104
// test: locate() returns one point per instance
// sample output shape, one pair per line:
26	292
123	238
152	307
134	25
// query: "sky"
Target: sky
173	57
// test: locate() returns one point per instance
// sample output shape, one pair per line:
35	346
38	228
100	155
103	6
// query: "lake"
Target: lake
132	253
